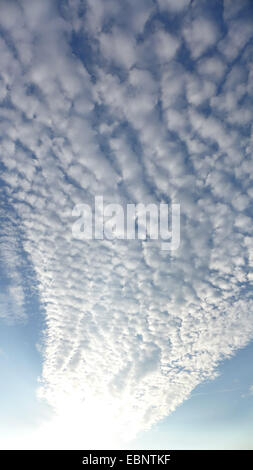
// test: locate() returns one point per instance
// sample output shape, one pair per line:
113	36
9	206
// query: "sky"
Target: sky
116	343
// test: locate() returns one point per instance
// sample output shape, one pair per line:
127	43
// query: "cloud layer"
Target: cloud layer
147	103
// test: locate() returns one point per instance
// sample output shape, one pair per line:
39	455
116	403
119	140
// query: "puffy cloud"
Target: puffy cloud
165	46
212	67
200	34
119	48
197	91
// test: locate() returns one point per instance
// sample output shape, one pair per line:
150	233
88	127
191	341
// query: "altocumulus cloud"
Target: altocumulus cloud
139	102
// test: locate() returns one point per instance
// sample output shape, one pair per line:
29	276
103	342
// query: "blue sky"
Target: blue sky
120	342
217	416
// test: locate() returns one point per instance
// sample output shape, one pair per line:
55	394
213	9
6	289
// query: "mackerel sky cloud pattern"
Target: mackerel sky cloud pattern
140	102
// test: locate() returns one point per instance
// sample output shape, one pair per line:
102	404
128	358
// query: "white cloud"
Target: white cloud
198	91
200	34
10	15
119	48
166	46
212	67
